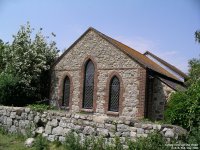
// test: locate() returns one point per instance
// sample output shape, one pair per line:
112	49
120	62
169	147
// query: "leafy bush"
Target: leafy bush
194	70
2	63
72	142
41	143
8	84
98	144
154	141
193	137
184	107
3	131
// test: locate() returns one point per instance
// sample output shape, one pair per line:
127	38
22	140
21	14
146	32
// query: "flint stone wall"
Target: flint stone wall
108	59
55	125
159	94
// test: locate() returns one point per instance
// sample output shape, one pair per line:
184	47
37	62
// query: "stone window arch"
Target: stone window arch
114	91
114	94
66	92
88	88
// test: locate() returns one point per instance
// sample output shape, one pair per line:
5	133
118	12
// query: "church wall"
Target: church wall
108	60
159	94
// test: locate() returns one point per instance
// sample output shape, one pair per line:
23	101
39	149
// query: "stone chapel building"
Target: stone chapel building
104	77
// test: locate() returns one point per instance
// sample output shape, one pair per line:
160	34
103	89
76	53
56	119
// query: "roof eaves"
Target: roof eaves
179	72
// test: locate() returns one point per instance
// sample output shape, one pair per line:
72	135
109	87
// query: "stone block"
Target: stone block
103	132
122	127
66	131
40	130
27	110
57	131
13	115
138	125
133	129
30	117
13	129
36	119
89	131
48	129
110	127
54	123
51	138
140	131
29	142
9	122
126	134
169	133
133	134
61	139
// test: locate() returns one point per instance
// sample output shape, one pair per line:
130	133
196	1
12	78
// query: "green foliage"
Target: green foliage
193	136
194	70
41	143
117	144
3	131
184	107
197	36
8	83
2	47
98	144
28	58
154	141
72	142
39	107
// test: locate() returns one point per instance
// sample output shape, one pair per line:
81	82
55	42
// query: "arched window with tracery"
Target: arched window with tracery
88	88
66	92
114	93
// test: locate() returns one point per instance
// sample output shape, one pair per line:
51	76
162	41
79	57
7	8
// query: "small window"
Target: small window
66	92
88	85
114	94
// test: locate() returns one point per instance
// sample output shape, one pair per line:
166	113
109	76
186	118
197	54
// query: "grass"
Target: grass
16	142
12	142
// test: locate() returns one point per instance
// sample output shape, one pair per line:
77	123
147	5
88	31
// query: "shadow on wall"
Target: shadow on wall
156	99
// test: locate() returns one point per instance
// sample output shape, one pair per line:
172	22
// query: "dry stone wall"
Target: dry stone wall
55	125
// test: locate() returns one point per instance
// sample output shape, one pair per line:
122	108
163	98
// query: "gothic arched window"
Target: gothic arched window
114	93
88	89
66	92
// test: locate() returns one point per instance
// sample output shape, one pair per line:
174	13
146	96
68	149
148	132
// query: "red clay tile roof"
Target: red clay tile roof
140	58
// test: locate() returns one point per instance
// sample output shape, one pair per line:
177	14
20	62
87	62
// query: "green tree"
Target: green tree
194	71
197	36
28	60
184	106
2	47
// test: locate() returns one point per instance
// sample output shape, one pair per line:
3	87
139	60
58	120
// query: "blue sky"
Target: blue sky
164	27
